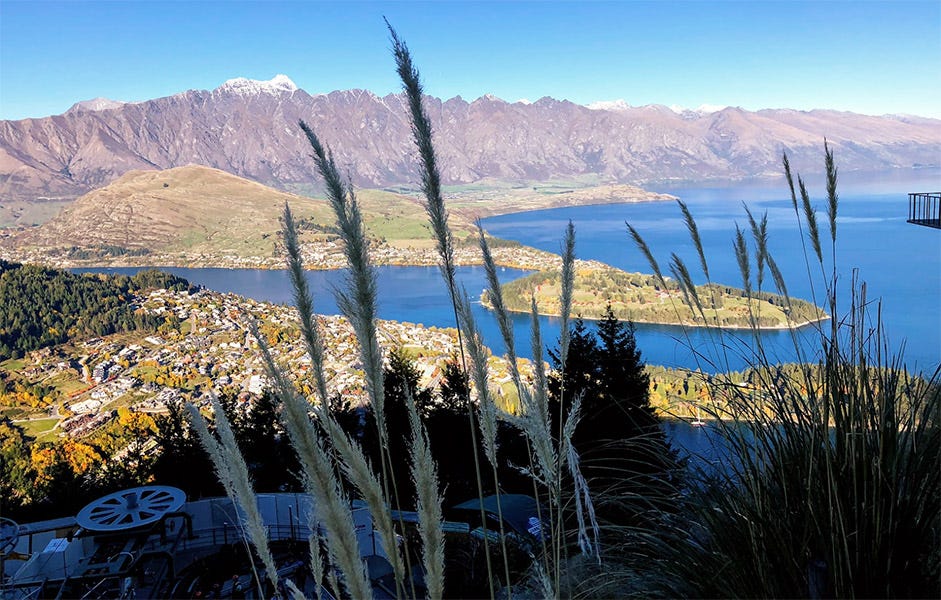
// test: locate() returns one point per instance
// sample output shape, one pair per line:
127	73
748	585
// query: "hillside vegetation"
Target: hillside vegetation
43	307
641	298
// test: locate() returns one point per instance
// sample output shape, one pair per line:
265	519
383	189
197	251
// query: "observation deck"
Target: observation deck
925	209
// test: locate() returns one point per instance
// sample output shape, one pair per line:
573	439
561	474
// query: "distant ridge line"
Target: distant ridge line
249	128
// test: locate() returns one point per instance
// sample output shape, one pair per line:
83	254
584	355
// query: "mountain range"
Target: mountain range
249	128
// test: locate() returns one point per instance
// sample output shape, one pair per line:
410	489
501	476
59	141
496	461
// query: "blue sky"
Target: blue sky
868	57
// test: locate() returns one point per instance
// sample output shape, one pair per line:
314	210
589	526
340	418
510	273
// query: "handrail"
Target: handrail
924	208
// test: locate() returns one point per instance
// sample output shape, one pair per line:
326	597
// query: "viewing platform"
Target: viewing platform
925	209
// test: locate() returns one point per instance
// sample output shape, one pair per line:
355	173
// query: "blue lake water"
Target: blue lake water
901	264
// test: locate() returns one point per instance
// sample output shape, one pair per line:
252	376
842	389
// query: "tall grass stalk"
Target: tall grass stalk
330	503
355	466
305	305
548	458
358	302
233	474
684	286
316	560
425	476
438	217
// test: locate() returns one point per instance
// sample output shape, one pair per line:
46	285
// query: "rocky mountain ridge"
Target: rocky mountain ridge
249	128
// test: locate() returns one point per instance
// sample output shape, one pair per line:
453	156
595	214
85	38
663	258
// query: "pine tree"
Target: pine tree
618	437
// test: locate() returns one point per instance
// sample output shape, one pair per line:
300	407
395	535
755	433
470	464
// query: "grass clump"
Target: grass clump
832	483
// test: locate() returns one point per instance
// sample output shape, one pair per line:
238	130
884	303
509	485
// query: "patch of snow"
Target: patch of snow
618	104
706	109
241	85
95	104
702	109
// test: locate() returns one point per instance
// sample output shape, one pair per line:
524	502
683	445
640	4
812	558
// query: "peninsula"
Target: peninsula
642	299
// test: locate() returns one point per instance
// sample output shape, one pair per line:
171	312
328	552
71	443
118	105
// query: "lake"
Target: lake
901	264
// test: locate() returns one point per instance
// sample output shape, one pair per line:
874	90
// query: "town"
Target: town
205	345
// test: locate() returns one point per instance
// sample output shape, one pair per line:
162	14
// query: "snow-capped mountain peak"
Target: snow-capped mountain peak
241	85
619	104
702	109
95	104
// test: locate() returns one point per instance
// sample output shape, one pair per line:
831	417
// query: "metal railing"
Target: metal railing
925	209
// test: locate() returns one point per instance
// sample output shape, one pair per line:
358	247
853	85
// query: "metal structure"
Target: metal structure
131	508
149	542
925	209
9	535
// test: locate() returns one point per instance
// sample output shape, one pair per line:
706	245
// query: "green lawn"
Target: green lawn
66	383
13	365
38	427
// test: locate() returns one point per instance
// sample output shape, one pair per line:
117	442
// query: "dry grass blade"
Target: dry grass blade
645	250
833	198
303	300
760	236
359	303
359	472
778	279
316	560
546	467
425	476
495	296
810	215
431	179
790	181
540	384
741	257
224	471
693	229
244	493
473	342
321	483
296	594
584	507
690	295
568	288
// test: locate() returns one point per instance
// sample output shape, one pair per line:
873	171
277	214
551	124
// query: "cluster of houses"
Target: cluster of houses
317	254
214	350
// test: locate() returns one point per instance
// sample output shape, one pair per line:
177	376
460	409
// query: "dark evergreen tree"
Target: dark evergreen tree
182	462
624	451
42	306
454	389
271	459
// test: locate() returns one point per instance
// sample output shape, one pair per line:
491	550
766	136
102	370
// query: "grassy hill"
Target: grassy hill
192	208
199	210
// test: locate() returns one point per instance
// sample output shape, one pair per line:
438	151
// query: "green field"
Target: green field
13	365
39	428
66	383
